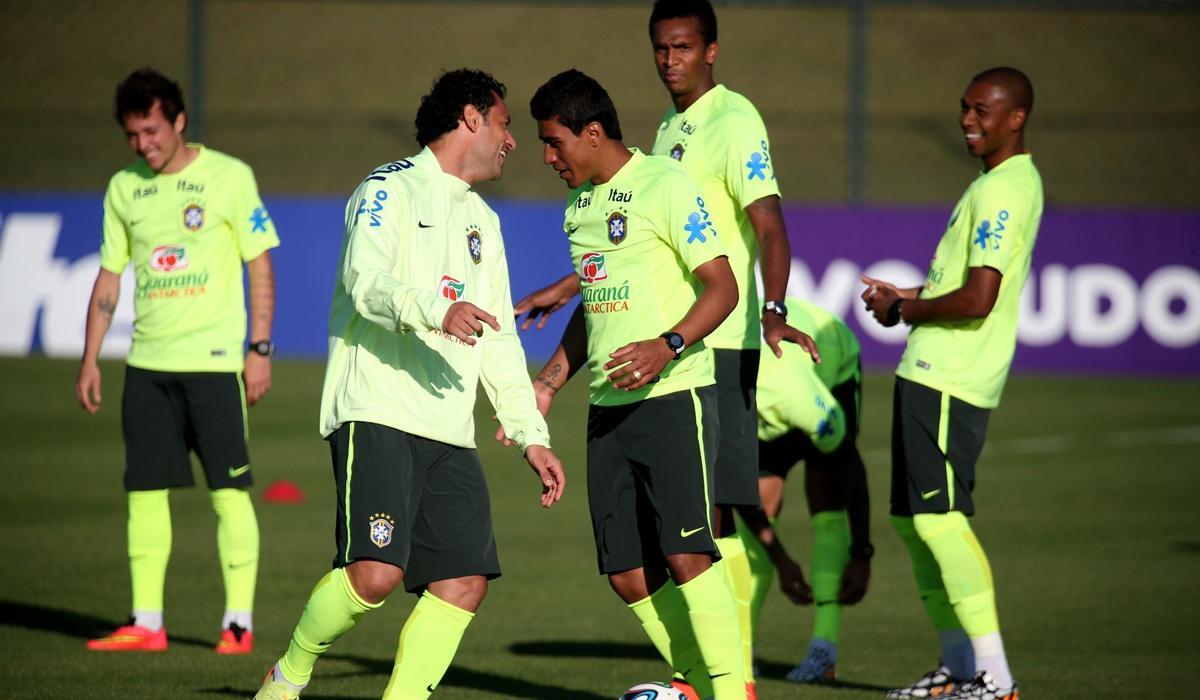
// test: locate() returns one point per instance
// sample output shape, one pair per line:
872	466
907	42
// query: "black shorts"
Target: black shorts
735	474
648	489
936	440
778	456
167	415
417	503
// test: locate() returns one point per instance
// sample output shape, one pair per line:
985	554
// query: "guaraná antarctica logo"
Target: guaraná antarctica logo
591	268
168	258
451	288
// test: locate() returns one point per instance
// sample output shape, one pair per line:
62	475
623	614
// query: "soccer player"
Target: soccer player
964	333
722	143
187	217
810	412
656	282
410	340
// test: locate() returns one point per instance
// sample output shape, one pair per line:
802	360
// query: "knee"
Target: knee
467	592
931	525
685	567
374	581
629	585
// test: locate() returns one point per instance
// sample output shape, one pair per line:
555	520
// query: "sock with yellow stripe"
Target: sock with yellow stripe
333	608
149	533
664	617
714	620
738	578
762	571
967	577
830	554
955	645
237	549
427	645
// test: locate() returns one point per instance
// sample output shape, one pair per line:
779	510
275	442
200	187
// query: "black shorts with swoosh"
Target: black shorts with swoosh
649	489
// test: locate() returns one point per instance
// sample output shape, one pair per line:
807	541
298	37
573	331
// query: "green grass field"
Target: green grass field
1087	503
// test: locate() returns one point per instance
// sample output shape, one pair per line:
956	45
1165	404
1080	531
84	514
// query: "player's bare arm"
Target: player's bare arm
101	307
974	299
568	358
257	374
791	576
856	577
545	301
638	363
775	260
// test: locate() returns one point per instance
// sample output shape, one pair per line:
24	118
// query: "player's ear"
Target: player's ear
180	122
710	53
1016	119
472	118
593	131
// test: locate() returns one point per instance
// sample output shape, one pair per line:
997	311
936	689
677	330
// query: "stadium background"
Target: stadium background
1089	480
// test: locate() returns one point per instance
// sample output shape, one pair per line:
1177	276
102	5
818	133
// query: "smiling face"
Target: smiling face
572	156
157	140
494	141
683	60
990	123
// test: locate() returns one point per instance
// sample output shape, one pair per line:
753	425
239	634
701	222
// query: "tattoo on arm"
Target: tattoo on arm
107	306
549	377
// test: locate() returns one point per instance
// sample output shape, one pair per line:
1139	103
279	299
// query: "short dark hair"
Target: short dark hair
442	109
1012	81
137	94
701	10
576	100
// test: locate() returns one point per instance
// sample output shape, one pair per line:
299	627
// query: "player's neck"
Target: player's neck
454	160
185	156
993	160
613	157
682	102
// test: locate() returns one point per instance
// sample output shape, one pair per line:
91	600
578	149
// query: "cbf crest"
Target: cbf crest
193	217
677	151
617	227
475	245
382	526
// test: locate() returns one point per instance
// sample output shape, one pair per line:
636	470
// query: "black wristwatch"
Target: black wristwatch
266	348
862	552
893	313
675	342
777	307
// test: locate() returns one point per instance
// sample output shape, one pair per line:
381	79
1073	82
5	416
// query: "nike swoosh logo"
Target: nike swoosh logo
421	224
689	533
930	494
719	675
429	688
571	231
235	473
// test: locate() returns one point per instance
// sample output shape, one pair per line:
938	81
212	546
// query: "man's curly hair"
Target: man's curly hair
442	108
137	94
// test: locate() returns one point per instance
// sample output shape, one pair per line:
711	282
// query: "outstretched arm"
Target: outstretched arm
545	301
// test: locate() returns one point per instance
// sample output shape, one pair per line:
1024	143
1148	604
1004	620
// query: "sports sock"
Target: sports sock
737	577
664	617
935	599
714	620
333	608
150	619
237	548
149	533
427	645
242	618
761	572
968	580
830	554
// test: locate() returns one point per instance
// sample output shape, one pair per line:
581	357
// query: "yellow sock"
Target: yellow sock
715	622
664	617
149	532
333	608
738	578
237	546
427	645
762	571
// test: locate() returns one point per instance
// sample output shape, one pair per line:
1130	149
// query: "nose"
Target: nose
548	156
967	118
511	141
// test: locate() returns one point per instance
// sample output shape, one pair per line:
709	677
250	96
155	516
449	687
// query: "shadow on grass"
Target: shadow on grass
620	650
70	623
456	677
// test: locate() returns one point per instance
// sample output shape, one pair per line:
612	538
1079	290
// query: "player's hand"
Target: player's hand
879	299
871	282
87	387
550	470
792	583
545	301
638	364
544	398
257	376
465	321
776	330
855	579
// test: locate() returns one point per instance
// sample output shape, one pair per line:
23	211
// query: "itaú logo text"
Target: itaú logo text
1093	305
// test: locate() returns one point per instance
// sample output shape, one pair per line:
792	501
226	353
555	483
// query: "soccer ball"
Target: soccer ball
652	691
